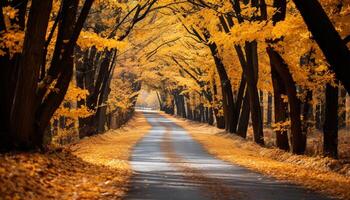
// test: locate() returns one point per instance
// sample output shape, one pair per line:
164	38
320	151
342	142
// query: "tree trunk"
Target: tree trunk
251	73
269	110
298	138
8	76
201	113
342	108
244	116
330	126
327	38
210	116
227	96
281	108
318	120
307	113
261	95
22	120
239	101
100	117
220	120
189	110
182	106
61	69
279	87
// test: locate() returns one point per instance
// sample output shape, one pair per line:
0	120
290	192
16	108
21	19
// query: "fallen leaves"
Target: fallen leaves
95	168
315	173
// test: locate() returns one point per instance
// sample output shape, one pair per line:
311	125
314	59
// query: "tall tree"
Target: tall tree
327	37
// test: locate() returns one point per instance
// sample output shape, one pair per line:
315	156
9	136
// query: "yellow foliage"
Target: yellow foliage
69	108
89	39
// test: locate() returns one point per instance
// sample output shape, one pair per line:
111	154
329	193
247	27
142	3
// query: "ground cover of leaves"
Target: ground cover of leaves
94	168
326	175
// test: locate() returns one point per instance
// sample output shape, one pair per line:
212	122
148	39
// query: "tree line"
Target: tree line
294	112
212	61
60	43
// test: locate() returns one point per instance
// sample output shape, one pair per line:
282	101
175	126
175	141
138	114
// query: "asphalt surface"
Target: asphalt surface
168	164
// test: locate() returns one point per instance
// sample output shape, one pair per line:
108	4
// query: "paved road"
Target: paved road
168	164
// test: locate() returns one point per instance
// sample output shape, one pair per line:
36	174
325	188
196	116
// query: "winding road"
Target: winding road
168	164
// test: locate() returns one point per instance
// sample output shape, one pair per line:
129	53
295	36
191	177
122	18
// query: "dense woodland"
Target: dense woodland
75	68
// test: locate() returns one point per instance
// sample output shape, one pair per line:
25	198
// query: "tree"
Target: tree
33	104
328	39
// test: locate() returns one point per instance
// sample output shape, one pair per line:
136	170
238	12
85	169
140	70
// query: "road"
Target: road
168	164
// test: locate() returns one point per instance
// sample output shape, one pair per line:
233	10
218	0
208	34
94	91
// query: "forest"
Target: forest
275	73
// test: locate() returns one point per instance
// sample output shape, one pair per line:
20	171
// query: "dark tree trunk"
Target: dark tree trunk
250	69
8	76
201	113
249	64
342	108
330	126
239	102
307	113
61	70
269	110
180	104
22	120
279	87
244	116
227	95
298	138
261	95
34	104
281	108
177	105
318	116
169	109
101	113
189	110
210	116
327	38
220	120
206	114
96	85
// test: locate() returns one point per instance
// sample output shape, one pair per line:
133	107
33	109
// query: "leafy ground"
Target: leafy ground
314	142
94	168
329	176
98	168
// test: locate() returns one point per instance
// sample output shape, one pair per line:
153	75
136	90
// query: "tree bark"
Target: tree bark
62	61
327	38
227	95
298	138
261	99
250	69
281	108
269	110
330	126
342	108
244	116
22	120
220	120
239	102
9	74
